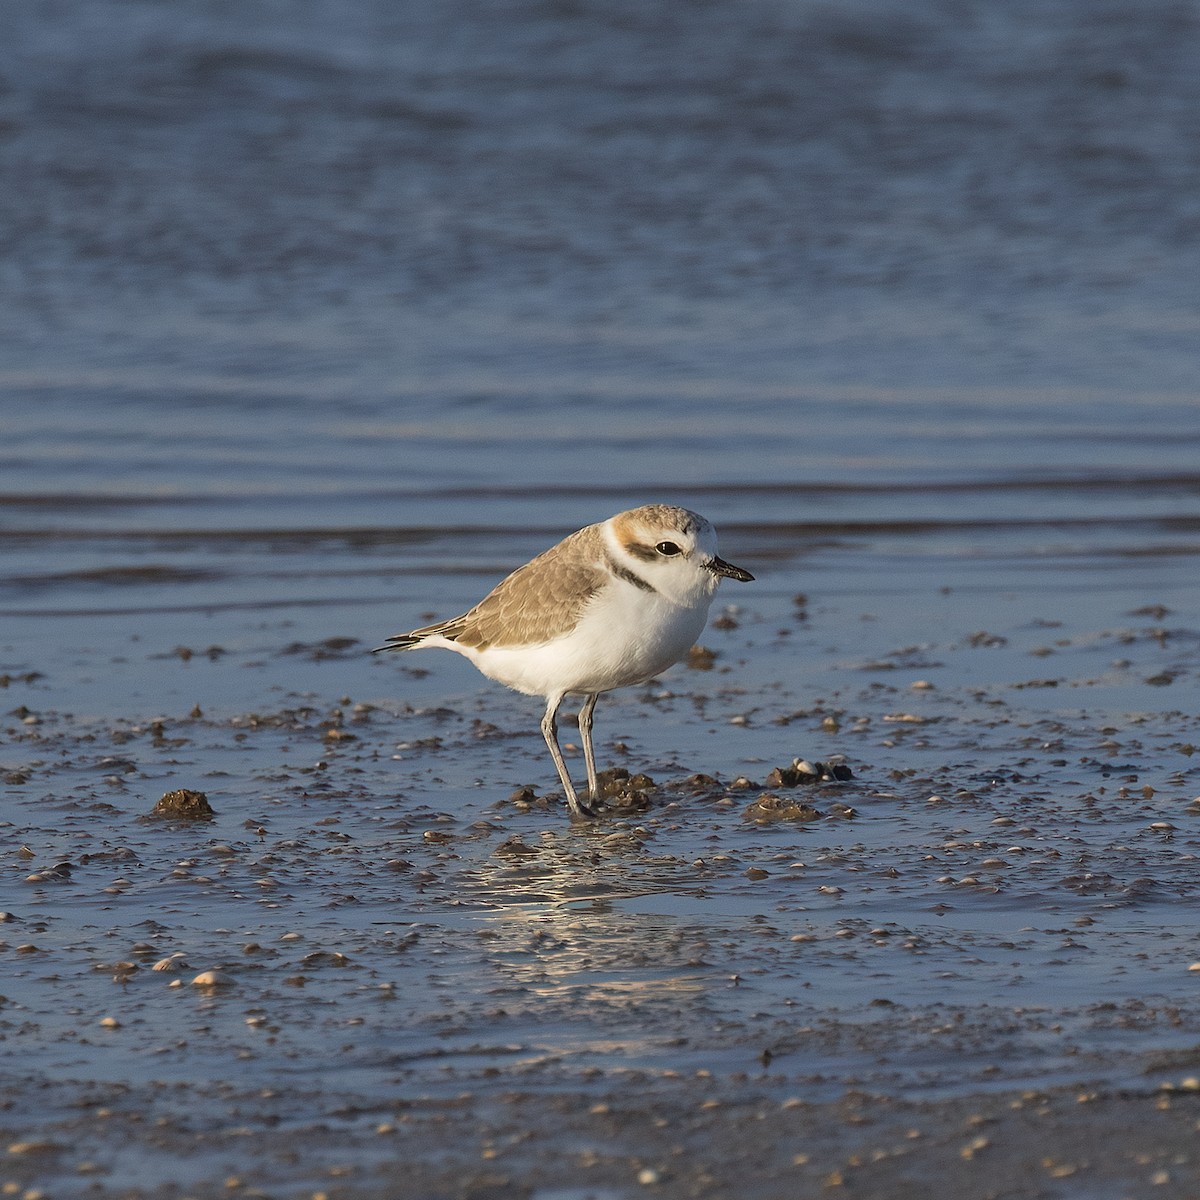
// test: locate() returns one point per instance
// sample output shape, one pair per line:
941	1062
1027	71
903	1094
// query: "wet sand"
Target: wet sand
970	967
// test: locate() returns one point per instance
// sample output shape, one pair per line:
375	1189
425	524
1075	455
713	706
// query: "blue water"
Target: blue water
331	315
316	265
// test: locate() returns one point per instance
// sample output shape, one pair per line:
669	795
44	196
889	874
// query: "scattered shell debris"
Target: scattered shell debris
804	926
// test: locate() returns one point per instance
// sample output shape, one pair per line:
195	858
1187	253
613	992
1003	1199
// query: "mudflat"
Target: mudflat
873	920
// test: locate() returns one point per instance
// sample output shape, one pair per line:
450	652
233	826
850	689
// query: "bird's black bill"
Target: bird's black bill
718	566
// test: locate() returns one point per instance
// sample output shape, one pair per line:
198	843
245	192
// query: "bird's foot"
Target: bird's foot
581	811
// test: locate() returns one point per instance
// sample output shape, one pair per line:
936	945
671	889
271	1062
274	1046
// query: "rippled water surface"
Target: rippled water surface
319	319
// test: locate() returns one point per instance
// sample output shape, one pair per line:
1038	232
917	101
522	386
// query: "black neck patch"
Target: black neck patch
629	576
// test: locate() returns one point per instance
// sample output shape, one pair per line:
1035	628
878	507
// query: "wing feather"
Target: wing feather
537	603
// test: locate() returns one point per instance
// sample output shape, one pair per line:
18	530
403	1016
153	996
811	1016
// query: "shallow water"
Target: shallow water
320	322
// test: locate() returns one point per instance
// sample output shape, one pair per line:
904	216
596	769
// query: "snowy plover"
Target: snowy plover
612	605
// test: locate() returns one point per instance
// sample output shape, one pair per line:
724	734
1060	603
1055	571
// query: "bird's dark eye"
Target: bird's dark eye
668	548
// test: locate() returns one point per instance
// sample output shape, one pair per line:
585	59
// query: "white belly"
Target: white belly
626	637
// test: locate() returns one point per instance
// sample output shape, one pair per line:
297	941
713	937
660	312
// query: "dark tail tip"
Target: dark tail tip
400	642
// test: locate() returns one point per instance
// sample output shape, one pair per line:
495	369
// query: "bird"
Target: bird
610	606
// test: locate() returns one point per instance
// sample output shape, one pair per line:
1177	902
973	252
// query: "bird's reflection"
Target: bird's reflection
596	921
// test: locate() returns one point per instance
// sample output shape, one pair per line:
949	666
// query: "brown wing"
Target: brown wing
536	603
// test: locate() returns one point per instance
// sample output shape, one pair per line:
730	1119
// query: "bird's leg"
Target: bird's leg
550	733
585	736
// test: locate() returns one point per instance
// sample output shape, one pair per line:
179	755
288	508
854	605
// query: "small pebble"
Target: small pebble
34	1147
183	804
212	979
